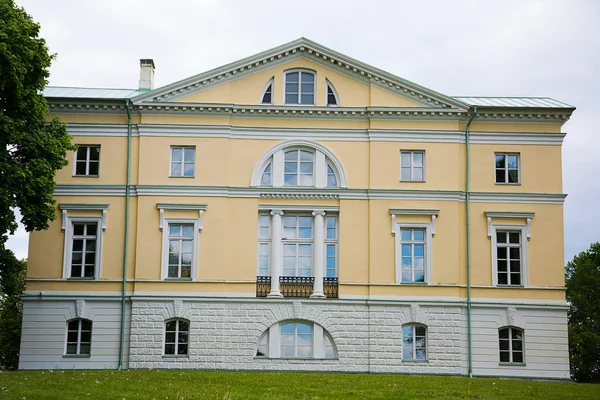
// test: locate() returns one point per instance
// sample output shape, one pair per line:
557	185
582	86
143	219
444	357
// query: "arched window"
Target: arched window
177	337
266	96
414	342
332	96
511	345
296	339
299	163
299	87
79	336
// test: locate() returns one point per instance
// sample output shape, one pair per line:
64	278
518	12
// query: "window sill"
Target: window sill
509	364
416	361
296	104
175	356
295	358
401	181
510	286
76	356
413	283
178	279
509	183
185	177
86	278
86	176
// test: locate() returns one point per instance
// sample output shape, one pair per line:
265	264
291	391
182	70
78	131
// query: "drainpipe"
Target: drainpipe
468	203
126	240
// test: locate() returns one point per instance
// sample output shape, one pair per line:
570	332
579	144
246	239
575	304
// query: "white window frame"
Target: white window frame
510	345
335	241
298	161
182	161
265	240
414	352
428	250
297	241
523	229
176	353
318	346
68	244
506	154
79	329
329	85
262	93
87	161
165	247
301	71
412	152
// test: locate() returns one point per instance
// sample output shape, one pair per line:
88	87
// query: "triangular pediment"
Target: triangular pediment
243	81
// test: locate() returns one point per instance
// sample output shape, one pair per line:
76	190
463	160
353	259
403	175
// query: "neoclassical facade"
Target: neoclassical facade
302	210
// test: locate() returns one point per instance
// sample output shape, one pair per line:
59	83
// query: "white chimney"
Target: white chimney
146	74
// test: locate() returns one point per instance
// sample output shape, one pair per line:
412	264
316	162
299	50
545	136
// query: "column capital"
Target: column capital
277	211
319	212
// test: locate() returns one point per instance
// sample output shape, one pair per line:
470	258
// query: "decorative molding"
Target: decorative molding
411	211
525	198
297	305
64	207
305	196
180	207
527	216
511	313
79	308
298	207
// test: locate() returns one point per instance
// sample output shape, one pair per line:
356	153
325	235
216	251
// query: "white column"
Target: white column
319	254
275	259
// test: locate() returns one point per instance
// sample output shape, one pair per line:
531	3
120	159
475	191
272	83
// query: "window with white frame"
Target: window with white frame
331	244
297	240
414	342
264	243
181	250
267	93
511	345
183	161
298	168
332	96
413	244
83	248
87	160
507	168
412	166
509	259
296	339
299	87
177	337
298	163
79	337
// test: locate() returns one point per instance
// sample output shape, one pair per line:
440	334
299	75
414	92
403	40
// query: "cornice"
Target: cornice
85	106
307	193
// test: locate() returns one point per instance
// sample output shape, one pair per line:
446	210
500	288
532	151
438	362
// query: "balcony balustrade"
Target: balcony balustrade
297	286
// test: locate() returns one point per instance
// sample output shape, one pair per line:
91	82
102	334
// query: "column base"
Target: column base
275	293
318	294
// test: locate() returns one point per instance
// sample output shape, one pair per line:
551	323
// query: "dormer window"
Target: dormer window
299	87
332	97
267	93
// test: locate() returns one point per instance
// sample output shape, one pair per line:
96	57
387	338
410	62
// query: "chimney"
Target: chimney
146	74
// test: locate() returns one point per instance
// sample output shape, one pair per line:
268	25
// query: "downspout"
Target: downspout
126	240
468	218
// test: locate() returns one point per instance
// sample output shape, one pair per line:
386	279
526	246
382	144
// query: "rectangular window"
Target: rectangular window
414	343
511	345
264	244
297	245
507	168
84	247
296	340
413	245
412	166
177	337
87	160
181	244
79	337
182	161
508	257
331	241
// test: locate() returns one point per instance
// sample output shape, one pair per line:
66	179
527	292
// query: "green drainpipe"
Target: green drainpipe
126	240
468	203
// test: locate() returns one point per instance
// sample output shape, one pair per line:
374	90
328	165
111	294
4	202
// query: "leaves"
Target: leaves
583	294
12	284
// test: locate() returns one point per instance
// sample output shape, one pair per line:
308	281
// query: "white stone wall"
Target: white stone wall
225	334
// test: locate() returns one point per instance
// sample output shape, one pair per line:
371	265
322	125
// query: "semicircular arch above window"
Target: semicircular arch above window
296	339
299	163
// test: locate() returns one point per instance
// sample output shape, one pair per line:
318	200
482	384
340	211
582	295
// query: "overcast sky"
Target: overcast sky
485	48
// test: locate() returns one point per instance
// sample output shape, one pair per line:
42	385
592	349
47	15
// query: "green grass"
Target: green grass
219	385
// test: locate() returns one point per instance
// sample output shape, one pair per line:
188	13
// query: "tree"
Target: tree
12	284
583	294
31	149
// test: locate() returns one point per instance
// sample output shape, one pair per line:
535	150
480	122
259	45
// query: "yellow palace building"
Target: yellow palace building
302	210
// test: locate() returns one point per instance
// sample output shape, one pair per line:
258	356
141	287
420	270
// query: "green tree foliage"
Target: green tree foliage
583	293
31	150
12	284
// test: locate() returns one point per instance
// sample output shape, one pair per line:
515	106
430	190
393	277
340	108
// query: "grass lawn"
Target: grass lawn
175	385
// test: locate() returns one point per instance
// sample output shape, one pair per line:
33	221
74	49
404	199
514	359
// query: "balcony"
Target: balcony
296	286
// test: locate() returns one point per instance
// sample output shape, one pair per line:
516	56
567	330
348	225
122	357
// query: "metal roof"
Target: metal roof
89	93
513	102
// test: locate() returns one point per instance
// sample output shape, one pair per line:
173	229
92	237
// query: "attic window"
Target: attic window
332	97
299	87
267	94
